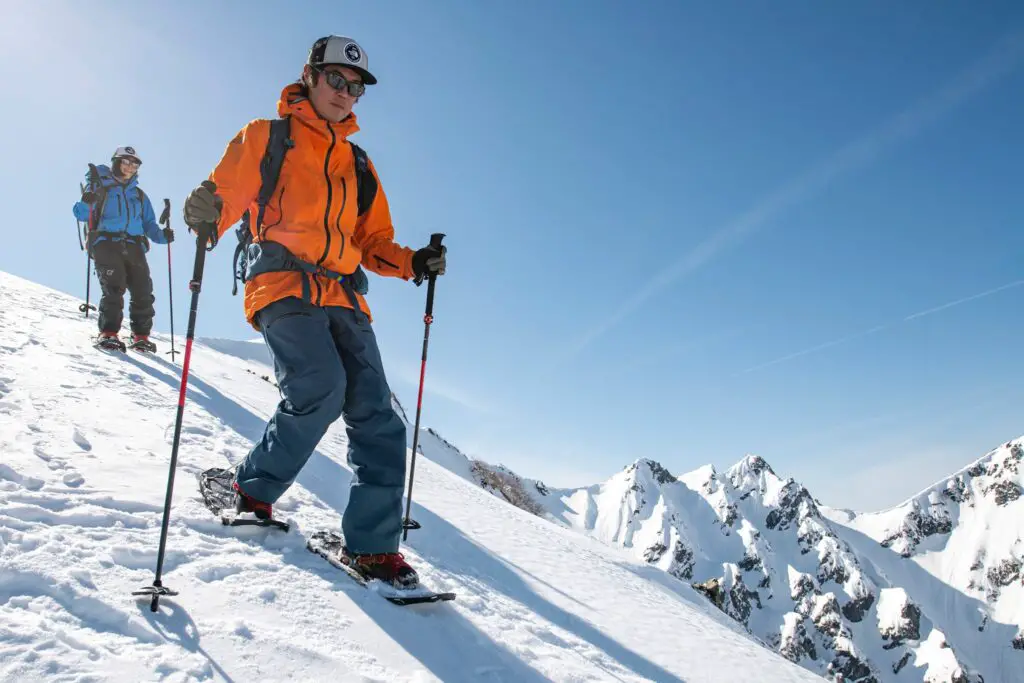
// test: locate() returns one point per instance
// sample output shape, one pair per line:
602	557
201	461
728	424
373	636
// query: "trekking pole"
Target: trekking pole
84	308
165	220
158	588
428	318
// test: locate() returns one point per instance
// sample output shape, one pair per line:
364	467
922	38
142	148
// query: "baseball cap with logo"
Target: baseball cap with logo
342	51
129	152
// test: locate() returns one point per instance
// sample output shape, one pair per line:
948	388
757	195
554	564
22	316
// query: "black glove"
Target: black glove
169	235
88	197
428	261
203	205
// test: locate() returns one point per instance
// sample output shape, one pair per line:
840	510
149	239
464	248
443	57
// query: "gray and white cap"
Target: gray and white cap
343	51
129	152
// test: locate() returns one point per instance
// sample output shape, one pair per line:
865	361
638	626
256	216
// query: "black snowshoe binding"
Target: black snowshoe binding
142	345
387	567
109	343
223	498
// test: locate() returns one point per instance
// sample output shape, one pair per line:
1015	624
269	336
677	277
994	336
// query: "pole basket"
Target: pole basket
155	592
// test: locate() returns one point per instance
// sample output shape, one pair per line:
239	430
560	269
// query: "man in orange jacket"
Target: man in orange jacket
303	293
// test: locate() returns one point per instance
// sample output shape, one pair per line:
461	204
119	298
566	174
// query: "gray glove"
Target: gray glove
203	206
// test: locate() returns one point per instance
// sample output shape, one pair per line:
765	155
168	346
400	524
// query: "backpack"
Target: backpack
278	145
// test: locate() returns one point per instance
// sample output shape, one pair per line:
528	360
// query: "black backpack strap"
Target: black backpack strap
142	200
366	183
278	144
144	240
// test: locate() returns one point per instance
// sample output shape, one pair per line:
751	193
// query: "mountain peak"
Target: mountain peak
755	464
751	471
657	471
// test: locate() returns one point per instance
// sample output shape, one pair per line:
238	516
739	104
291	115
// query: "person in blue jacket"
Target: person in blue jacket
120	218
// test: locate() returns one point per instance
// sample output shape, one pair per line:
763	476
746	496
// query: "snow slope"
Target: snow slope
86	444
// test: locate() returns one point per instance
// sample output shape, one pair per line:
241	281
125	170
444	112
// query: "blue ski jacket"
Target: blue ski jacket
127	211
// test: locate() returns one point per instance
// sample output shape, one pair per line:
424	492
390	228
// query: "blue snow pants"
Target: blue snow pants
328	365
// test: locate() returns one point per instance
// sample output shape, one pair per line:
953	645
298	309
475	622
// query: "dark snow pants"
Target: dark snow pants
327	365
122	265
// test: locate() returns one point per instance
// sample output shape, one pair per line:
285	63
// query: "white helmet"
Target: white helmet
343	51
129	152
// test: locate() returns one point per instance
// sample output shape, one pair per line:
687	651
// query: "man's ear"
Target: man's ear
308	76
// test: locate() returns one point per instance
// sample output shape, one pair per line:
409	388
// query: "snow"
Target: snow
86	440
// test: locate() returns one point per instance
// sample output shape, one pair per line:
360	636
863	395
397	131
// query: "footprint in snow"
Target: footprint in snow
74	479
81	441
10	474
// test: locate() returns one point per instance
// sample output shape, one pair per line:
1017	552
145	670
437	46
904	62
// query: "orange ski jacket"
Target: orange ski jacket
313	210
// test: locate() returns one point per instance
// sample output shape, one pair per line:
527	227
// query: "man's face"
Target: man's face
331	95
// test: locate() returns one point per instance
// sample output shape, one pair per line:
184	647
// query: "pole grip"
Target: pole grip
165	217
435	242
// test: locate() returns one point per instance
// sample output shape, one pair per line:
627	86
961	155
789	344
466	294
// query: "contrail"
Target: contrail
873	330
815	349
997	63
951	304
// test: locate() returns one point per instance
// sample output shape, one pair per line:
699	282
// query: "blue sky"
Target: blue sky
687	231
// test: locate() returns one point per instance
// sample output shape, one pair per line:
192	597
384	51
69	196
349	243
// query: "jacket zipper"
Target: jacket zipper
327	211
330	192
127	211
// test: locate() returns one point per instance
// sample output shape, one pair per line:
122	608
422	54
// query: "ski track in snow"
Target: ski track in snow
87	437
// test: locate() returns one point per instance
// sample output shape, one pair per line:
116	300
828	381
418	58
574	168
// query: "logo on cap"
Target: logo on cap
129	150
353	53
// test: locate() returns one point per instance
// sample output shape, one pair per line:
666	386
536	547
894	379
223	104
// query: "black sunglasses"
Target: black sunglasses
339	82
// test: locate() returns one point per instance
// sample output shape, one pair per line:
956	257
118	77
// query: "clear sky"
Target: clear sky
677	230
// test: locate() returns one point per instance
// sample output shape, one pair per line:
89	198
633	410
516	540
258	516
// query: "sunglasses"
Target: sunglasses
130	162
340	83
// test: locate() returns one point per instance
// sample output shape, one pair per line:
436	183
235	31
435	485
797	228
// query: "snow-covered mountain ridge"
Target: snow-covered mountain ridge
930	590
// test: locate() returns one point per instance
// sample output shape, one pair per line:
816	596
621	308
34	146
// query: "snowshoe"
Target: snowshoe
142	344
387	574
109	342
223	498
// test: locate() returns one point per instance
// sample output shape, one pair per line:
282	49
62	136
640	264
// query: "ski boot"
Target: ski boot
109	341
141	343
390	568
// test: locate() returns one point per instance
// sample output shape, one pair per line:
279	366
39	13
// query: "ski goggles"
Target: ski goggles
340	83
